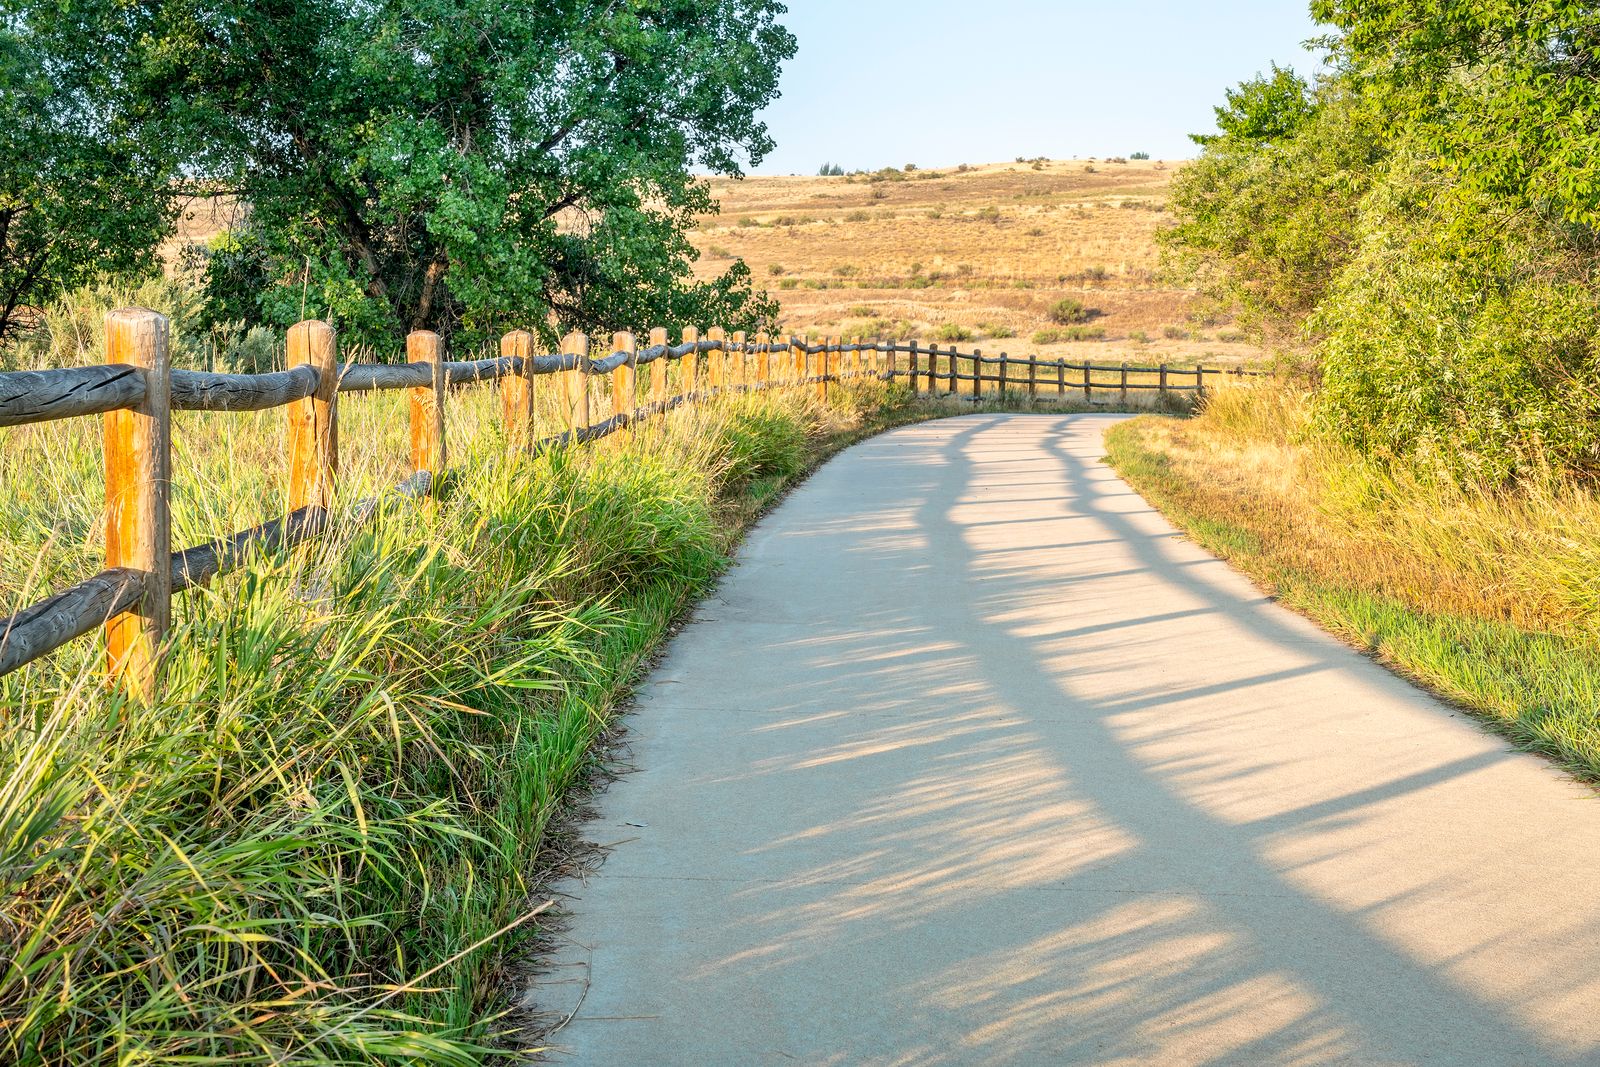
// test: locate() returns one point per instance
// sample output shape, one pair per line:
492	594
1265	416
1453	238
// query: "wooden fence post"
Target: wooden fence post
792	371
826	361
577	382
1088	382
427	408
314	421
1122	391
1199	382
1033	376
623	396
1061	379
1163	387
516	389
763	360
741	357
691	363
138	458
914	361
717	361
658	369
977	375
1005	364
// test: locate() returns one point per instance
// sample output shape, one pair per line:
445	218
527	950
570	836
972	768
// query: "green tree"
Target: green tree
459	165
83	187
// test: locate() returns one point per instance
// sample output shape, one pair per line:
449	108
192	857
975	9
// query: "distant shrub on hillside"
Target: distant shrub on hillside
1138	155
1067	311
831	170
952	332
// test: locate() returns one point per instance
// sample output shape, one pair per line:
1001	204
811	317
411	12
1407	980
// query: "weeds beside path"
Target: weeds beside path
1488	599
347	780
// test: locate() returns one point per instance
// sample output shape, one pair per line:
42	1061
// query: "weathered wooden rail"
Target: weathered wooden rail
137	390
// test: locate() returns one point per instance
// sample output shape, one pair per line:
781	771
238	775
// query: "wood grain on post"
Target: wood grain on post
1061	378
577	382
314	421
516	388
977	375
739	364
623	394
1199	382
1122	388
913	366
1088	382
427	407
1005	361
692	362
763	360
717	362
1163	380
658	369
138	457
827	363
1033	376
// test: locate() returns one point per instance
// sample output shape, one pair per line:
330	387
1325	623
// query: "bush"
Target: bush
949	331
1139	155
1067	311
858	216
776	270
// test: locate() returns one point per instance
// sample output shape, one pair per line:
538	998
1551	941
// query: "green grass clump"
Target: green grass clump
303	851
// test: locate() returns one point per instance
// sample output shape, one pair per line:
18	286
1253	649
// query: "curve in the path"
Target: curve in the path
974	760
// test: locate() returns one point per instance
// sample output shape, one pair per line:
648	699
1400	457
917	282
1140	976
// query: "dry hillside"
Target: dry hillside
986	251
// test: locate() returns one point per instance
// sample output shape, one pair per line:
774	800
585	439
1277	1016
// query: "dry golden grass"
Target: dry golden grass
989	251
1487	597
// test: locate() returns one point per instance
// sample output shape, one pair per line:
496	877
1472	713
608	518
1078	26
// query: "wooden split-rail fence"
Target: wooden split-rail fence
137	390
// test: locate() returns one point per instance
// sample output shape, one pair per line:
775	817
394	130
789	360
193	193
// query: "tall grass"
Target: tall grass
1489	596
302	851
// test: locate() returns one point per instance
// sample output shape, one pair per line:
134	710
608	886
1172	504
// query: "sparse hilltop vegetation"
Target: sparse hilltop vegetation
985	254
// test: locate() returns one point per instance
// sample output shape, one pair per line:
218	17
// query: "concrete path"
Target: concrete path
973	760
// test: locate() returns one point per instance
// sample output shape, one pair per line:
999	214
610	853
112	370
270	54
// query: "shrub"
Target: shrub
1068	311
988	214
858	216
1046	337
880	194
1139	155
845	270
950	331
1034	231
1174	333
1089	168
776	270
997	330
746	222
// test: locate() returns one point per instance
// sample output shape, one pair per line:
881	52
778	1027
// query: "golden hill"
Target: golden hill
983	251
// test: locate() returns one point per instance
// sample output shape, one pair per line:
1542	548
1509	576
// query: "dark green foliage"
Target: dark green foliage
1422	221
83	185
459	165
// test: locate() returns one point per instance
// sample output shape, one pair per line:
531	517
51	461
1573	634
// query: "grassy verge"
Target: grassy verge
303	851
1487	598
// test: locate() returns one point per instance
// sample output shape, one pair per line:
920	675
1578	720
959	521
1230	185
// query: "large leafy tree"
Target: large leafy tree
460	165
83	188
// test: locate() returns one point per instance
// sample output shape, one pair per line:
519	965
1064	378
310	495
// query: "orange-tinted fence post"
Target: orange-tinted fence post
516	388
427	407
792	366
577	382
977	375
717	361
692	363
658	369
763	360
913	368
825	365
623	399
740	360
138	458
314	421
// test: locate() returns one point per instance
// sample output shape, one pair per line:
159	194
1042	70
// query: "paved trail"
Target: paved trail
972	760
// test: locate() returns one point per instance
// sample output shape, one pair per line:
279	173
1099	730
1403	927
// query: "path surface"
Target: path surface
974	761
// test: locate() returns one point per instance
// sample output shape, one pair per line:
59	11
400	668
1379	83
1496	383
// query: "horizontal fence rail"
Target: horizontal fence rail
136	391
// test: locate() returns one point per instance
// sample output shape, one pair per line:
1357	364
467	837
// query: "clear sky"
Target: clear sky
882	83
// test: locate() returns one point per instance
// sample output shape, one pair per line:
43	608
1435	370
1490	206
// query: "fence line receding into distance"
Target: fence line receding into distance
137	390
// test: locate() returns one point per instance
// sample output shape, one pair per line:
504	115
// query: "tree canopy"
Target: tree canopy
1422	222
459	165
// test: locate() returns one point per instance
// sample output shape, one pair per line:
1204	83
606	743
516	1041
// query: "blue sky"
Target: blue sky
938	82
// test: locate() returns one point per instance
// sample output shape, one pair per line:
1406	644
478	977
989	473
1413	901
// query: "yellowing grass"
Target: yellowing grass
1490	598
